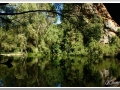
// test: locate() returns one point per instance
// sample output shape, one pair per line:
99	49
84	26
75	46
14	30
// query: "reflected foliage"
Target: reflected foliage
50	71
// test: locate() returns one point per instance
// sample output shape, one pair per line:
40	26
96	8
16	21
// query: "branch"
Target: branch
53	11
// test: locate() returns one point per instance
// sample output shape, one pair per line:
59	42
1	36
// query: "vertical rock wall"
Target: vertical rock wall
110	27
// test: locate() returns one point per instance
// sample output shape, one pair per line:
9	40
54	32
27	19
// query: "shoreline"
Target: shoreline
13	54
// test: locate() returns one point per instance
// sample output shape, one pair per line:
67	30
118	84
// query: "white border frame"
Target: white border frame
60	1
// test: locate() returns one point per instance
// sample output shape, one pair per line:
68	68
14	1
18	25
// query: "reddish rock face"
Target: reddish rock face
103	12
110	27
109	12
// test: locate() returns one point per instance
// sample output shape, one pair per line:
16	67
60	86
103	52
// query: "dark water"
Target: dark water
56	71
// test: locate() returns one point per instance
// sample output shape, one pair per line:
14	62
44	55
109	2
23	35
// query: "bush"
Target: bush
93	31
92	76
118	33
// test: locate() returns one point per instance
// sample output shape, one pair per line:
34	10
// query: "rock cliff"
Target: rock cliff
110	27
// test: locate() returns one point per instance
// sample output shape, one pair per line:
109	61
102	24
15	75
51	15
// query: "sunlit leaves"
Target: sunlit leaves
22	41
53	34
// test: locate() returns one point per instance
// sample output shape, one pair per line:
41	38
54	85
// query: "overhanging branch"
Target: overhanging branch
53	11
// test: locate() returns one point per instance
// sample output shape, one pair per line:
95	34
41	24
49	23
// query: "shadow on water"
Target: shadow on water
8	62
56	71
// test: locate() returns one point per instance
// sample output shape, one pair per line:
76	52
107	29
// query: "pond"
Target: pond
57	71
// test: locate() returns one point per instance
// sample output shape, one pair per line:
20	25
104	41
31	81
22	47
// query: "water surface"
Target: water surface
56	71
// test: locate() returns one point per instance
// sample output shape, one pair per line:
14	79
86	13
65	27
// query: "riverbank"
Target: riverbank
13	54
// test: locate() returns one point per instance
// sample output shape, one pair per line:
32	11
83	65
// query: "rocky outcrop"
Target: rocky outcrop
113	9
104	73
110	27
108	80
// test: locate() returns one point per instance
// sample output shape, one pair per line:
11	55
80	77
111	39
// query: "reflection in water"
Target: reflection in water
56	71
1	83
8	62
58	85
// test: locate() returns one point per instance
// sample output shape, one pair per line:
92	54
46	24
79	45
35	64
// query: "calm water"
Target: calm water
54	71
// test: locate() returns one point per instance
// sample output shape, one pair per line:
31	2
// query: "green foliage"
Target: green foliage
95	78
92	31
118	33
53	34
76	36
35	32
115	41
114	70
53	77
50	70
43	48
21	43
8	41
77	46
55	48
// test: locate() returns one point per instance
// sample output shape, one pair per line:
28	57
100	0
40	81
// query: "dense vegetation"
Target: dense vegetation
49	71
36	32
